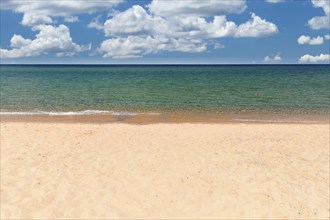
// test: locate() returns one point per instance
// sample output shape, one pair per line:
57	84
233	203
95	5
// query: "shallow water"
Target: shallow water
157	89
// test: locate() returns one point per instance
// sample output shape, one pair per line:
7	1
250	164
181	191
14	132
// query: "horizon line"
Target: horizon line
163	64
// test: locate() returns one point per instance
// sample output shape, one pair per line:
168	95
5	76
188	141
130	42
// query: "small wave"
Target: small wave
73	113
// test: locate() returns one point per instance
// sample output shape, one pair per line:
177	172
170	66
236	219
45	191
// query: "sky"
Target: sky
165	31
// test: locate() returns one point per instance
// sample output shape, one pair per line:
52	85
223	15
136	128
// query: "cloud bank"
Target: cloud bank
168	8
189	26
53	8
185	26
322	58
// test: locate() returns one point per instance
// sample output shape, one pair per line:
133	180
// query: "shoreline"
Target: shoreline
172	118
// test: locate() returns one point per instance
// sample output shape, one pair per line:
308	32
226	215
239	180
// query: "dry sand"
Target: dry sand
182	171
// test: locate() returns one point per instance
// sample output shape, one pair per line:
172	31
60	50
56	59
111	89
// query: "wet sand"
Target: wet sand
51	169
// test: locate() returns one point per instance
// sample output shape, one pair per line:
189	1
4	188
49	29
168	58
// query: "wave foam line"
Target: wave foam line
85	112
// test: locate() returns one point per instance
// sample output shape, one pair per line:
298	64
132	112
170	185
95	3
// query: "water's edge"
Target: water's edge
100	117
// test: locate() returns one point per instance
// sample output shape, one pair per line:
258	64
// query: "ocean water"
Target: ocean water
156	89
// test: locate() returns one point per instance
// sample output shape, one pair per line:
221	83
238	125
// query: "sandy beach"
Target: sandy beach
164	171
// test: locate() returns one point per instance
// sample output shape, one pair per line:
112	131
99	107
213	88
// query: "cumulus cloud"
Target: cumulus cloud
136	21
18	41
274	1
40	12
327	37
311	41
273	59
30	19
321	22
256	27
168	8
322	58
166	25
49	40
134	46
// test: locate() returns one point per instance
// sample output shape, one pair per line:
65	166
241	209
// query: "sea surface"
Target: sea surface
79	90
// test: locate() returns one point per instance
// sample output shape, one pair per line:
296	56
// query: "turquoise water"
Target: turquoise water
101	89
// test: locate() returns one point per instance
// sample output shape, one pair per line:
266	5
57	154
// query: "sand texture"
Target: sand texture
181	171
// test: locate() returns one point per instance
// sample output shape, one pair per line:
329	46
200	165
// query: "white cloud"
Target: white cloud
39	12
136	21
49	40
322	58
324	4
321	22
168	25
63	8
327	37
311	41
71	19
273	59
134	46
274	1
218	28
18	41
256	27
169	8
30	19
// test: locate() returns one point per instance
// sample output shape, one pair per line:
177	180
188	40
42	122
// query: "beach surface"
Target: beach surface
164	171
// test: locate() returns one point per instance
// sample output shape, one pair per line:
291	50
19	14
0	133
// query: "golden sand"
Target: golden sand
187	171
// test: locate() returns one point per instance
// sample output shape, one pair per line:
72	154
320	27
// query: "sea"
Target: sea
160	89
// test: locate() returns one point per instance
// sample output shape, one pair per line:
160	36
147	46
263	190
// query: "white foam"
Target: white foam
22	113
85	112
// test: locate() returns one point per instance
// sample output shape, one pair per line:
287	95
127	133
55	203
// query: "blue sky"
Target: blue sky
165	31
